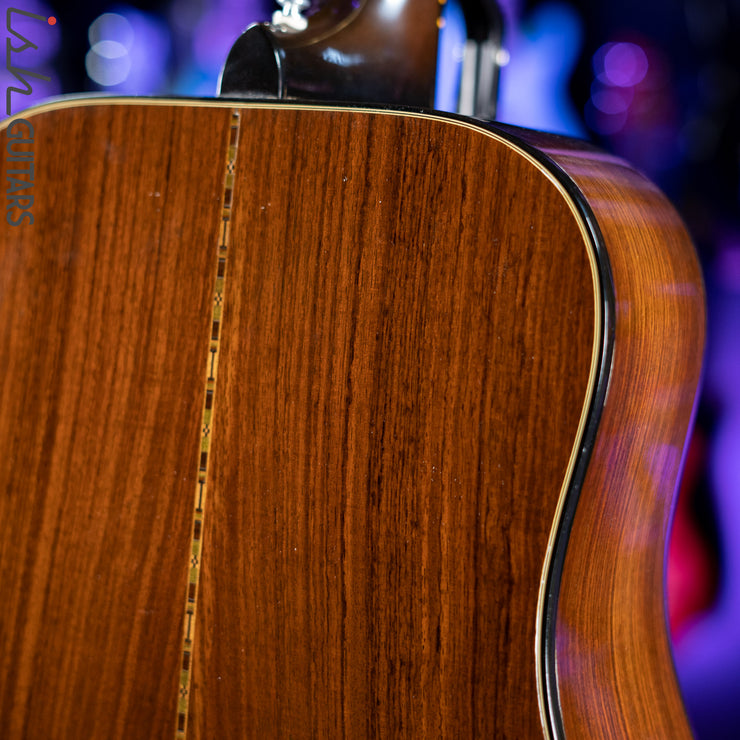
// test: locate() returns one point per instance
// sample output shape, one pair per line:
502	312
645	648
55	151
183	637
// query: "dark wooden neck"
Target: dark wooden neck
385	51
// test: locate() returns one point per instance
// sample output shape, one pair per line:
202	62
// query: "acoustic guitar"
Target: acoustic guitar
329	420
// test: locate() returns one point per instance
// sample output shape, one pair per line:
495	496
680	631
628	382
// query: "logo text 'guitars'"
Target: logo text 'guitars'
19	172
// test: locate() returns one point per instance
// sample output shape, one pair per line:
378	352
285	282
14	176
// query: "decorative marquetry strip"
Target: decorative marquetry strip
206	432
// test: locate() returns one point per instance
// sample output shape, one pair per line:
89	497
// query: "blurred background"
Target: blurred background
656	82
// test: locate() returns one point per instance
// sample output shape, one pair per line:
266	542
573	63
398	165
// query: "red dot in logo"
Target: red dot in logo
51	20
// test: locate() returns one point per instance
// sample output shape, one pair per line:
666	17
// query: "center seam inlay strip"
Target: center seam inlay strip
206	434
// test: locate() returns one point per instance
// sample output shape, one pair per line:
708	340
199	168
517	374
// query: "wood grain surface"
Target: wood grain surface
104	305
400	387
613	653
407	339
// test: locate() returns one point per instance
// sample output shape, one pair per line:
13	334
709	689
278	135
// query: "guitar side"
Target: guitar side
614	660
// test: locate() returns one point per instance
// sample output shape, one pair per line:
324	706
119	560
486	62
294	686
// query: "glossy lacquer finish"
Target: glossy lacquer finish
104	302
369	52
612	648
290	415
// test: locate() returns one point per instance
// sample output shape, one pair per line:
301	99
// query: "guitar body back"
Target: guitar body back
330	422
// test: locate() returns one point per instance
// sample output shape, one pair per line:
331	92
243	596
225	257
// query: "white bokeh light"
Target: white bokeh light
111	37
111	27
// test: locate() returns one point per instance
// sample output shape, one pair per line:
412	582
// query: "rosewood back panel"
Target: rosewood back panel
292	403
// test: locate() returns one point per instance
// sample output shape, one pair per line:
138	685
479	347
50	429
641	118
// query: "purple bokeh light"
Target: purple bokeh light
622	64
